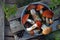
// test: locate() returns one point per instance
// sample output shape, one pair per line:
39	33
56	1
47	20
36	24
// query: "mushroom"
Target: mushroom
30	21
24	18
33	13
38	24
31	6
48	15
35	16
39	8
46	30
32	27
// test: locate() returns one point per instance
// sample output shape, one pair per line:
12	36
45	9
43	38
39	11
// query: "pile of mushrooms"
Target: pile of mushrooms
36	23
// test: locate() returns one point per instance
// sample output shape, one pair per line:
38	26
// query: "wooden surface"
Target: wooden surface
8	33
7	28
1	24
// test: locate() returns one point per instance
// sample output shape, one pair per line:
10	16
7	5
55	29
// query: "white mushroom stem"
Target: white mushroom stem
47	20
43	27
33	13
32	27
43	18
41	11
51	20
31	21
46	30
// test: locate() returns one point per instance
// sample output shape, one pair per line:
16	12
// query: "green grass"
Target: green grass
57	35
9	10
53	36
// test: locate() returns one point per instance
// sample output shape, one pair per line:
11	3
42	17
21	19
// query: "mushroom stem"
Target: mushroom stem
47	20
43	26
46	30
41	11
31	21
51	21
33	13
32	27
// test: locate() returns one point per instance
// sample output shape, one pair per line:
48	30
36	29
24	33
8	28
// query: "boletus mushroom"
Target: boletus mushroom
39	7
47	30
24	18
48	16
31	6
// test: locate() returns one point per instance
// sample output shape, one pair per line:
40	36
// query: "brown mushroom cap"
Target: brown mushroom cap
47	30
47	14
30	6
24	18
39	24
39	7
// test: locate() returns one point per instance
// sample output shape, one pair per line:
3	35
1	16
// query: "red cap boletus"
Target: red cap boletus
39	7
24	18
31	6
39	24
47	14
